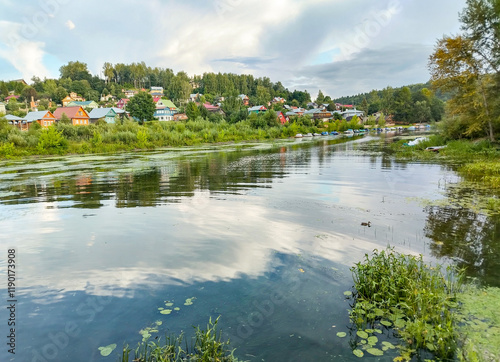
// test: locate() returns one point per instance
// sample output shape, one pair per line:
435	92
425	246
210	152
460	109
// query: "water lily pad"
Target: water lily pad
357	352
189	301
169	304
106	351
362	334
177	308
375	351
377	331
386	323
158	323
388	345
369	330
341	334
166	311
347	293
399	323
372	340
161	308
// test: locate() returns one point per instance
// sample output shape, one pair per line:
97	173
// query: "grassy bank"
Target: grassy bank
477	162
64	139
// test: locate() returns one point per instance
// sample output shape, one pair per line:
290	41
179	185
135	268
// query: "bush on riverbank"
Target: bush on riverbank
129	135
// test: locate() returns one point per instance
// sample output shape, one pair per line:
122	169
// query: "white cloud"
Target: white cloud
24	54
70	25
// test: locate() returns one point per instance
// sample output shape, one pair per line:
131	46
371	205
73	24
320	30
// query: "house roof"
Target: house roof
97	113
118	110
210	107
243	96
257	108
82	103
33	116
71	112
168	103
11	117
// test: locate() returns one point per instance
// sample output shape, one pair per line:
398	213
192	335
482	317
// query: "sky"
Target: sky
343	47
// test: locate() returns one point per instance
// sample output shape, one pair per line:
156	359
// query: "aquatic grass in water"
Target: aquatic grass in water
402	292
206	345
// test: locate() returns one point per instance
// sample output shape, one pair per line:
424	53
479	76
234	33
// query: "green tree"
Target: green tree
467	66
192	111
109	71
142	107
75	71
320	98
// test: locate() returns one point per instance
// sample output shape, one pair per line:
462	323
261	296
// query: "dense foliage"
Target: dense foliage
468	66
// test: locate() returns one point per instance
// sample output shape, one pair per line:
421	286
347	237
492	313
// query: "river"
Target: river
260	234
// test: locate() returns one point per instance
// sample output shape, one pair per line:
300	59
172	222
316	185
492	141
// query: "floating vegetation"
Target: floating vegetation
189	301
177	308
341	334
416	301
106	351
479	324
206	345
166	311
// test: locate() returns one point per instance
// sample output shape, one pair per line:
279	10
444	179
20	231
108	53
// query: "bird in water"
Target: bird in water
369	224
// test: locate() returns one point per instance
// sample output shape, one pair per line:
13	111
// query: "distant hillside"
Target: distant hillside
414	88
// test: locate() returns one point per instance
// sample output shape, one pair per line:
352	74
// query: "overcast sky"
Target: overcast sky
342	47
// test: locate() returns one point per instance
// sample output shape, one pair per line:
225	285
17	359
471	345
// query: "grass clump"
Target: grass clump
417	301
206	346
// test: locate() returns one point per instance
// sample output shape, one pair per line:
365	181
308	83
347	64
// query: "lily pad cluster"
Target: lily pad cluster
366	341
169	304
146	332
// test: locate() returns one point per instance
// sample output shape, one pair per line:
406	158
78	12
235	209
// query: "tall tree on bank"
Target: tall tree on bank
142	107
467	65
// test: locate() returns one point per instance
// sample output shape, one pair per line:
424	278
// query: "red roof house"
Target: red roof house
77	115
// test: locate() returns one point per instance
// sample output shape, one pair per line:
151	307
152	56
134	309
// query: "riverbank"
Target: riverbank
476	162
64	139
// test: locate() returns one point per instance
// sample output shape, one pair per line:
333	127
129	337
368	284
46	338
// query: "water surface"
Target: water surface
262	235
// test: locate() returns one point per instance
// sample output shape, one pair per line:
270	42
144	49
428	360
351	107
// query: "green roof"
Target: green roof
168	103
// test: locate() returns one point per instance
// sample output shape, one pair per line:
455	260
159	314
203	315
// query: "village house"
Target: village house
72	97
180	117
244	98
165	114
156	91
77	115
257	109
282	118
129	93
195	97
44	118
319	113
213	109
122	103
107	98
107	114
85	104
17	121
351	113
278	100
